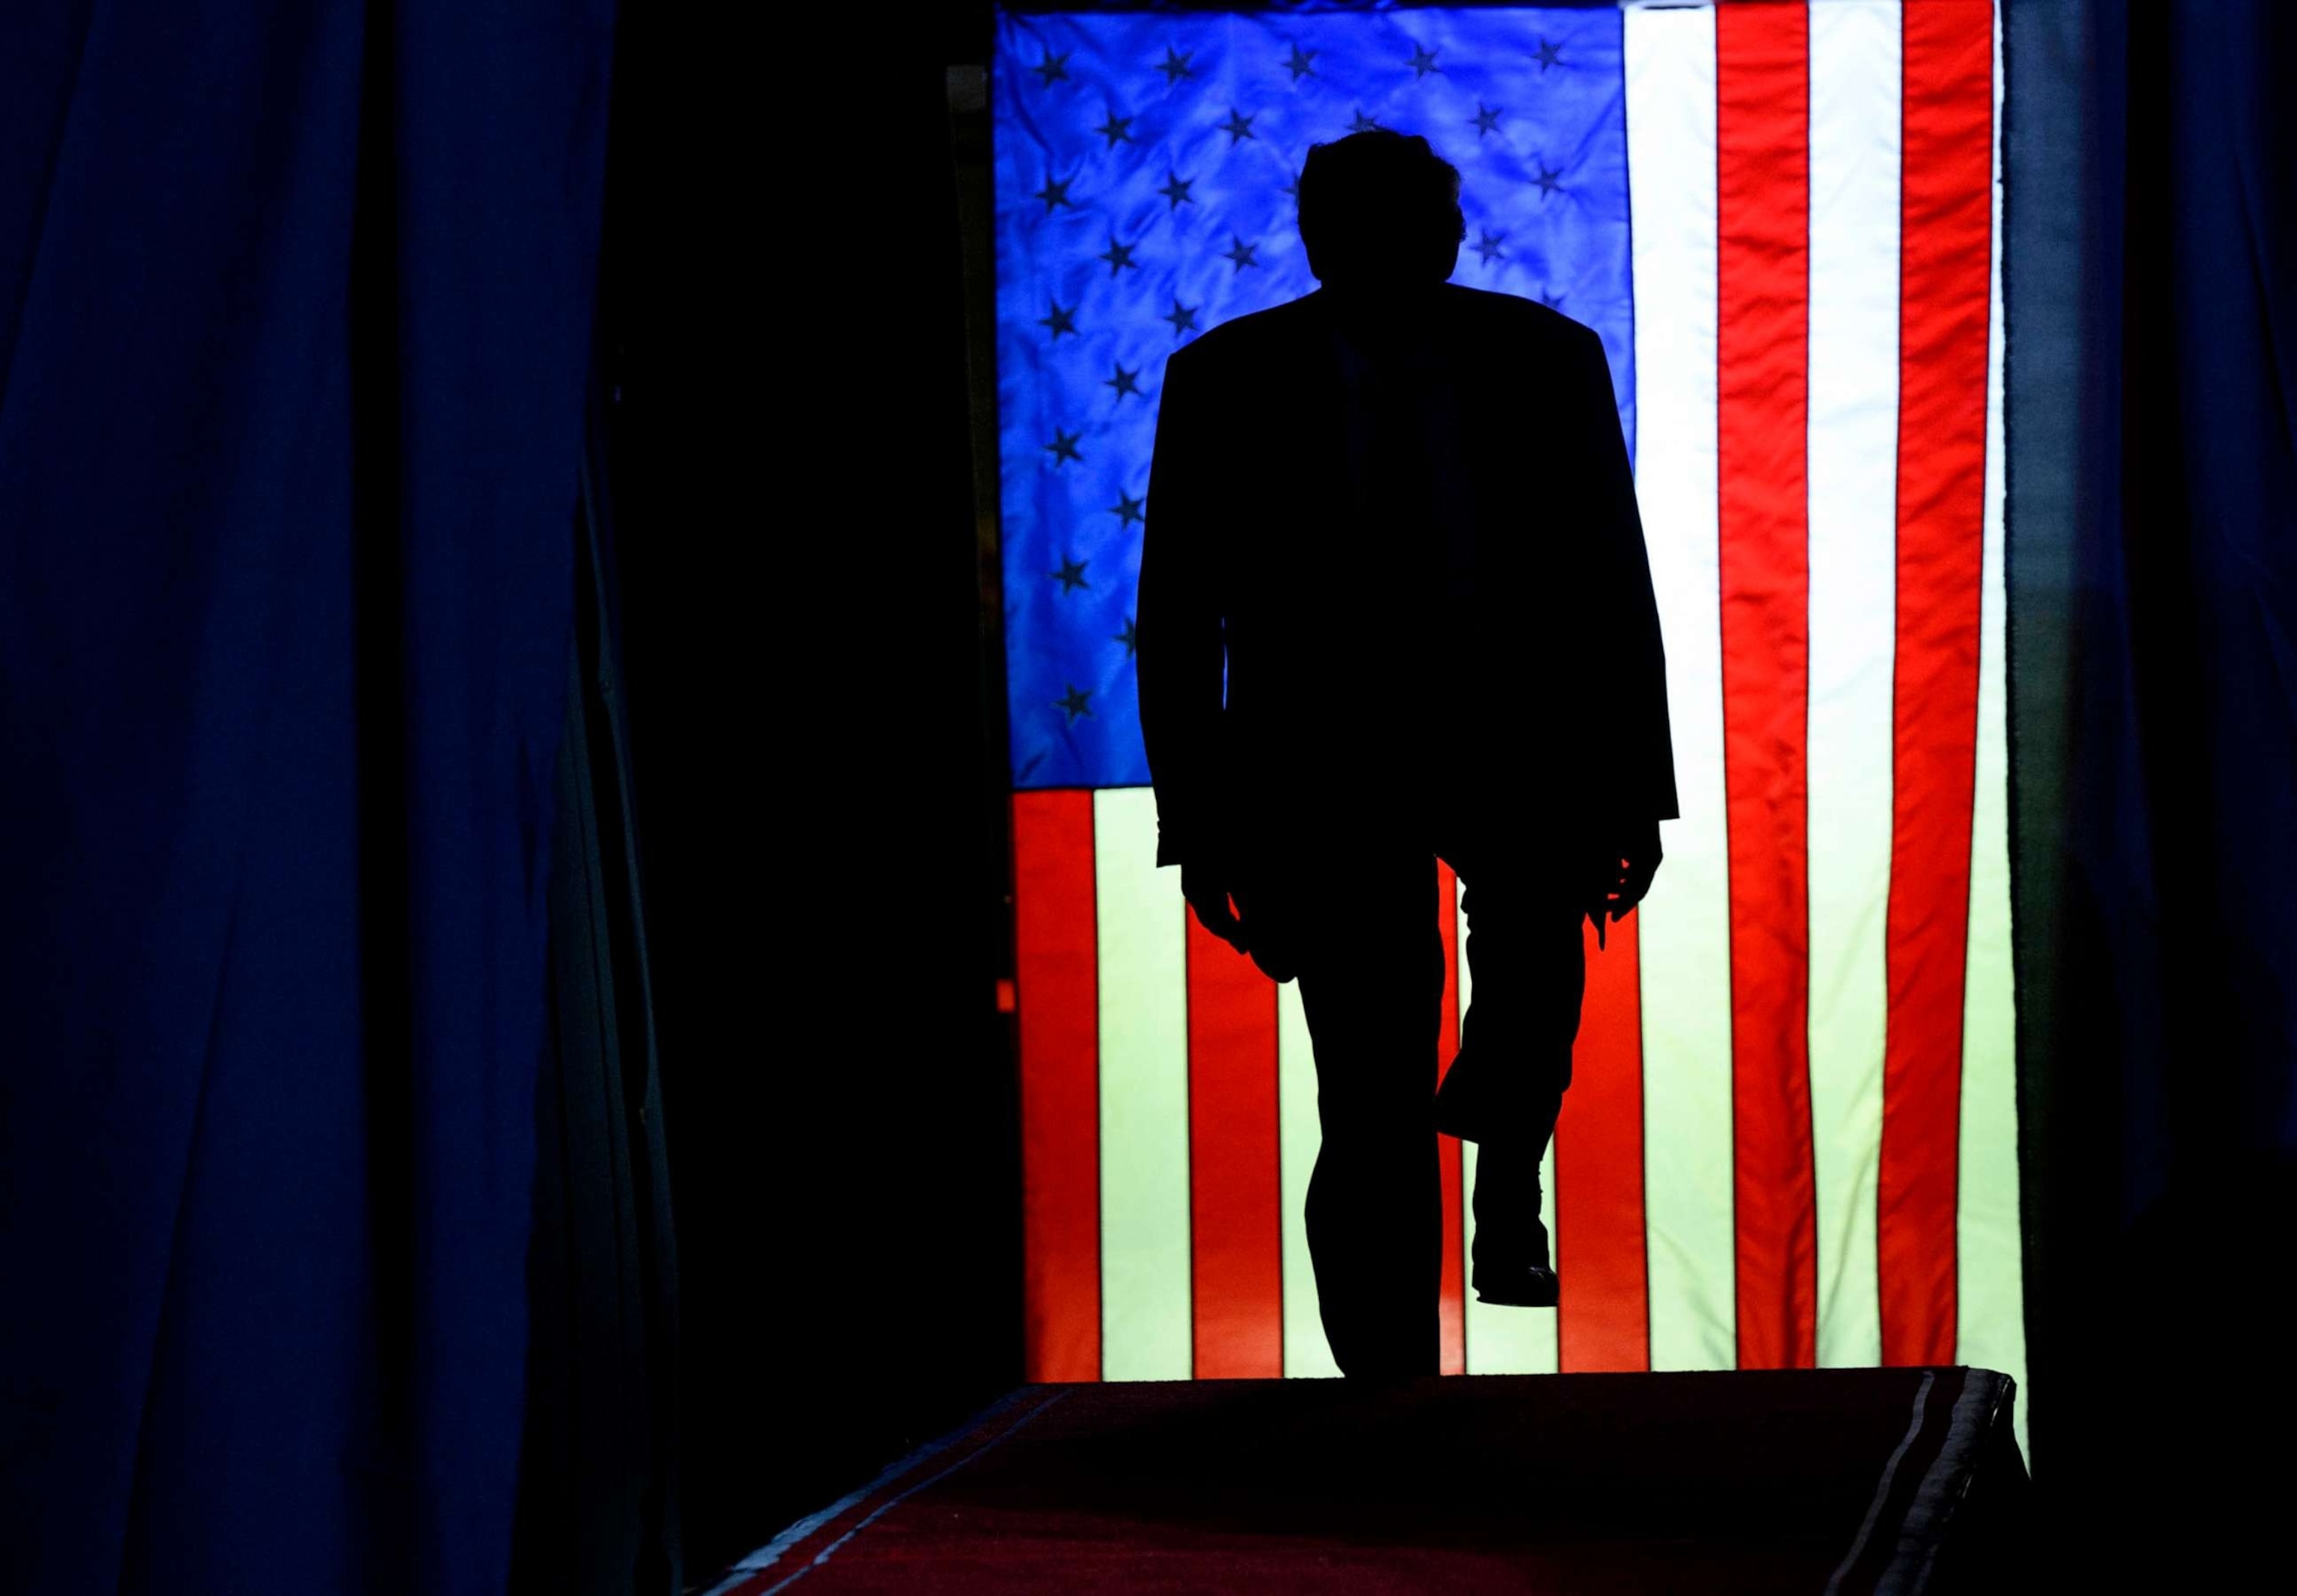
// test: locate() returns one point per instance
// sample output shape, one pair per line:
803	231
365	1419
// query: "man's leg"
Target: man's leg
1527	965
1371	980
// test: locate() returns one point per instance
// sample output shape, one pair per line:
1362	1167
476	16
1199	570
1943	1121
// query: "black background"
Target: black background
816	780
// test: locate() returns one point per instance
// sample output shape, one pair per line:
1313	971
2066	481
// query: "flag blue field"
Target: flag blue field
1145	166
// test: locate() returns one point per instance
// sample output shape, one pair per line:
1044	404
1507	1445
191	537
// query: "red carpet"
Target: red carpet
1850	1480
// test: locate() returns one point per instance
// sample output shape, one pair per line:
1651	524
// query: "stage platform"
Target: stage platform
1821	1480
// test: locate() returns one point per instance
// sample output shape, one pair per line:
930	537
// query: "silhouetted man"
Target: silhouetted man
1394	606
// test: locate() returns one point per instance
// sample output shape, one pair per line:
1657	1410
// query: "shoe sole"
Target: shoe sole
1546	1292
1520	1302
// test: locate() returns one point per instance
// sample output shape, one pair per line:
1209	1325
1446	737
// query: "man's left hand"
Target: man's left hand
1625	878
1205	887
1639	854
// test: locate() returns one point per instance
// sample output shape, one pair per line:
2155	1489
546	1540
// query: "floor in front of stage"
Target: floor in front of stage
1809	1480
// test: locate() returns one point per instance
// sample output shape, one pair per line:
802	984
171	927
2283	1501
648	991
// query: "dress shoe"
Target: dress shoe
1523	1286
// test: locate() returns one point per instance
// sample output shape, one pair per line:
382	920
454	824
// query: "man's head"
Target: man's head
1381	209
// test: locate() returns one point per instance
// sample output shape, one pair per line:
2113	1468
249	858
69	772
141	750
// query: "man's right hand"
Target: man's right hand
1205	887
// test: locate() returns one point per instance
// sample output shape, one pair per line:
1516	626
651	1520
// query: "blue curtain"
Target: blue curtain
295	307
2151	287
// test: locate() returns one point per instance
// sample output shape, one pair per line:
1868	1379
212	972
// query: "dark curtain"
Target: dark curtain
598	1510
2151	296
295	303
807	570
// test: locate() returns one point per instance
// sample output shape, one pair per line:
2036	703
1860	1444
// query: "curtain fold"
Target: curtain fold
2150	284
295	303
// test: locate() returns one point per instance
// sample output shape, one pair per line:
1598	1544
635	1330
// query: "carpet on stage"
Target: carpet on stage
1834	1480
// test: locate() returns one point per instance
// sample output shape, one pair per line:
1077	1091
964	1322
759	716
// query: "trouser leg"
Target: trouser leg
1527	964
1509	1229
1372	979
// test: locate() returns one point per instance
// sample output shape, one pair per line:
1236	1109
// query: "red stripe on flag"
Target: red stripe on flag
1056	968
1763	203
1236	1240
1947	197
1605	1320
1452	1300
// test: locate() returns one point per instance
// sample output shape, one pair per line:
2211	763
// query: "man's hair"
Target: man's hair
1382	207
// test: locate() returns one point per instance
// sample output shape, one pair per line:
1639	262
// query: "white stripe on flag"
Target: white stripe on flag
1685	932
1299	1135
1146	1330
1990	1332
1853	484
1501	1340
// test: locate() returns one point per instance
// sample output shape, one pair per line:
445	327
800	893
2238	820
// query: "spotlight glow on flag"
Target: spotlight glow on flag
1793	1137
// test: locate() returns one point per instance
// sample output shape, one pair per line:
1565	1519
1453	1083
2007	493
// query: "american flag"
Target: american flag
1792	1135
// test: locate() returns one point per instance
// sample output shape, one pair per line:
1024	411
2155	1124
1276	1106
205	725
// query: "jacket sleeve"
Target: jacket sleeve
1639	756
1180	650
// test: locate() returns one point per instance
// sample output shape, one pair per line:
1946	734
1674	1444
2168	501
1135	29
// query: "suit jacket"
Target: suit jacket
1393	561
